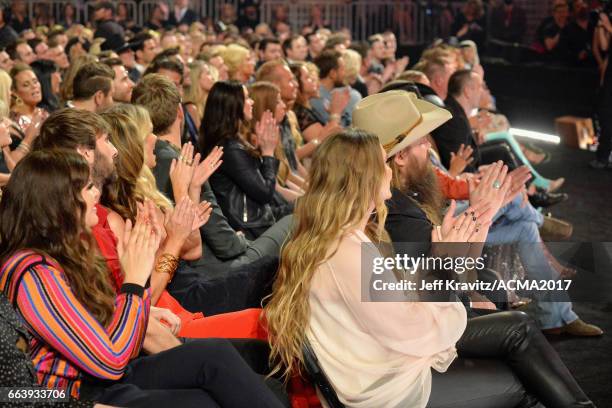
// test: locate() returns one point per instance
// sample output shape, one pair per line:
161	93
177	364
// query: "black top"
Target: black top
288	142
188	18
453	133
576	43
306	117
475	30
509	27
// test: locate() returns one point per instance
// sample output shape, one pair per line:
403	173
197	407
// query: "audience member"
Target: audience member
333	81
469	24
203	77
549	31
295	48
122	84
101	321
508	22
107	27
93	87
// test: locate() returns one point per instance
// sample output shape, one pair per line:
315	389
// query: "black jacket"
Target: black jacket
407	223
189	18
452	134
245	186
219	240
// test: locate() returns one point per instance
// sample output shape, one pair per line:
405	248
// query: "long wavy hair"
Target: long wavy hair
133	183
42	209
345	179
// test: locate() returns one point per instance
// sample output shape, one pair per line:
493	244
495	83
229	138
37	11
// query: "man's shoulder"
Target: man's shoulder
163	150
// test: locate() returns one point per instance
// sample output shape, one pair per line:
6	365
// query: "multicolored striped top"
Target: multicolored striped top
67	341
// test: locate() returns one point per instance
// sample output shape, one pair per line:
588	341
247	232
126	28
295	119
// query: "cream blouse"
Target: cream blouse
377	354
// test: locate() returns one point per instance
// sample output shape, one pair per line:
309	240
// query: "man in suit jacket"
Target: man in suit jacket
181	14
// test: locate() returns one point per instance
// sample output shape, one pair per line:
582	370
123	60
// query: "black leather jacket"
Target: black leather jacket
245	188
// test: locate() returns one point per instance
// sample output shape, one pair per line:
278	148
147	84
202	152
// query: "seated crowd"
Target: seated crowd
184	212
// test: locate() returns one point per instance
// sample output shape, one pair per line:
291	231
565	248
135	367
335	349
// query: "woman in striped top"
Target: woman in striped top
85	339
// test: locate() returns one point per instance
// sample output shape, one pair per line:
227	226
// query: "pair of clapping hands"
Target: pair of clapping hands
492	189
141	240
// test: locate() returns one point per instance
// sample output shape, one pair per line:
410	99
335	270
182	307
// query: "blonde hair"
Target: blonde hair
234	56
352	64
345	179
5	93
194	93
129	126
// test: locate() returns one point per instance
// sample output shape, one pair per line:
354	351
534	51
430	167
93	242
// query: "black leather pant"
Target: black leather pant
505	361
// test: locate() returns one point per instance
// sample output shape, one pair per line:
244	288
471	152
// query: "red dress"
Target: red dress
243	324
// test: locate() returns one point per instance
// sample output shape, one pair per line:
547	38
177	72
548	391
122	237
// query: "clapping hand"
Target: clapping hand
267	133
492	188
205	168
137	250
181	172
460	160
202	215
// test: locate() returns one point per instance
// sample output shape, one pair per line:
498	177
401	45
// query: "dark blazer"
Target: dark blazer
453	133
245	187
189	18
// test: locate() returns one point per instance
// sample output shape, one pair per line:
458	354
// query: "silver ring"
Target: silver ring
497	185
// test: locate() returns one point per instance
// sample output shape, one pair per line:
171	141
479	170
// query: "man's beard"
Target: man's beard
423	181
104	171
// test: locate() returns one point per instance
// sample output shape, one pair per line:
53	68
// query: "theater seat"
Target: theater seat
319	379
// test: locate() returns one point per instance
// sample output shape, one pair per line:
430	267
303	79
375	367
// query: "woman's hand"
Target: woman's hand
205	168
137	251
202	215
167	318
518	178
268	134
33	129
460	160
461	228
492	189
181	172
179	225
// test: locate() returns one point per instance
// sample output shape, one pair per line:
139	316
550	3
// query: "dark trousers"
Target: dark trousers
200	373
604	112
505	361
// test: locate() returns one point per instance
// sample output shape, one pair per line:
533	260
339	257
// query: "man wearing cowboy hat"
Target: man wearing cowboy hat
401	121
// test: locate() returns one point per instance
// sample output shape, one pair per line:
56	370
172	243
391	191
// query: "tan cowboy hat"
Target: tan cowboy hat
398	118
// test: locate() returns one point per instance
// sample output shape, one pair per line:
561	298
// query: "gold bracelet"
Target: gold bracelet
167	263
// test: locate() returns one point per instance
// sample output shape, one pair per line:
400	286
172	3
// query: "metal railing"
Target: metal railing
414	21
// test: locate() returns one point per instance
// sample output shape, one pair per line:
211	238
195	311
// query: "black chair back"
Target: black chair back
319	379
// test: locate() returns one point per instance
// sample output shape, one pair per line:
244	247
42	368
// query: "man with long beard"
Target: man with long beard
416	205
401	121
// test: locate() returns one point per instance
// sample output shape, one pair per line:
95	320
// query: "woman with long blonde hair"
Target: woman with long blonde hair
136	183
374	353
202	77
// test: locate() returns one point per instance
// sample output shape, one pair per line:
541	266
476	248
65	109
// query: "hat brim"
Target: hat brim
432	117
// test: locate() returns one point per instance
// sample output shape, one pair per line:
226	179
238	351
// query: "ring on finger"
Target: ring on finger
496	185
